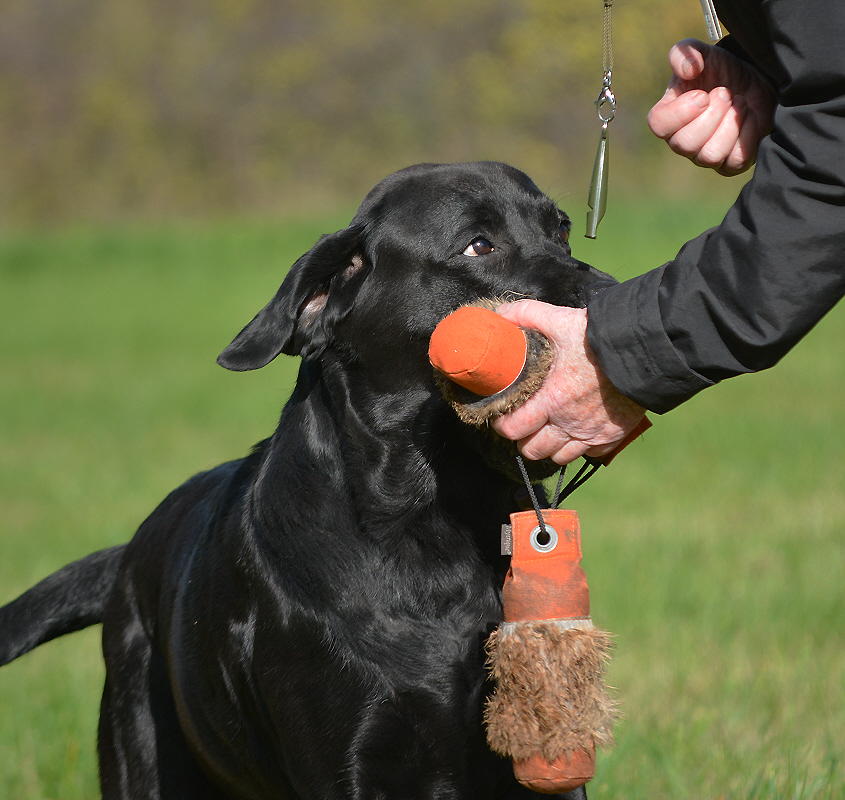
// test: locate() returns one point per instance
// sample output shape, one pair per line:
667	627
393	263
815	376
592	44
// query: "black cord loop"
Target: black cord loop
587	470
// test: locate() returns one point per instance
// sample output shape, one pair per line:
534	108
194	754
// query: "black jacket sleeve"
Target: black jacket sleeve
738	297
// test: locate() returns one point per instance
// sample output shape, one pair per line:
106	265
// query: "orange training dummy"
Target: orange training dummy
487	366
550	709
478	349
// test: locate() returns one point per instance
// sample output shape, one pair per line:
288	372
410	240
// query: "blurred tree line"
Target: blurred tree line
153	108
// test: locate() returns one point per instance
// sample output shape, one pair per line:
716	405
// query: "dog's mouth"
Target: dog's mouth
501	454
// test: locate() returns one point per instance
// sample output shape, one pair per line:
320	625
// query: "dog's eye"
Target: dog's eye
479	247
563	230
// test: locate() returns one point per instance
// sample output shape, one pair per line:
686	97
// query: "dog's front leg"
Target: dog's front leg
143	752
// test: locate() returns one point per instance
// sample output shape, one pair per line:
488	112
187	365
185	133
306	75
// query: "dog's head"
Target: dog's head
425	241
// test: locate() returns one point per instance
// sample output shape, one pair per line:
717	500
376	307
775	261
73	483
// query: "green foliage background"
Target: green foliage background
113	109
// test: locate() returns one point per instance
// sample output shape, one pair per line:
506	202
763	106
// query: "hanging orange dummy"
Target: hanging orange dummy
550	709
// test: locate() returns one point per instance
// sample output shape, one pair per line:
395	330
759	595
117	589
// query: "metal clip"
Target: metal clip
606	101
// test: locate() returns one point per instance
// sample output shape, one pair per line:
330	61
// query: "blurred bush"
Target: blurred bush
150	108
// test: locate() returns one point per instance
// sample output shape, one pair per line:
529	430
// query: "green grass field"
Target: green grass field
715	546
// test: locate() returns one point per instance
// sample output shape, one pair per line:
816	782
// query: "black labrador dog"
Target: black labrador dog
309	621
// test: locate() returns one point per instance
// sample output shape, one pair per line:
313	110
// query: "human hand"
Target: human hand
576	411
716	108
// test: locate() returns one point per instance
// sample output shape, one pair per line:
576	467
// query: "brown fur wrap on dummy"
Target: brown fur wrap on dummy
550	696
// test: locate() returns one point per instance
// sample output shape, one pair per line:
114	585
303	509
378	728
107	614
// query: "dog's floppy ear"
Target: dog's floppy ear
297	320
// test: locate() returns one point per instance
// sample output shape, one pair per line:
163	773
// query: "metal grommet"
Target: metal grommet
544	543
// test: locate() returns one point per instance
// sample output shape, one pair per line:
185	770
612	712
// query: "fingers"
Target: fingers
686	98
675	111
699	141
551	443
731	147
524	422
744	152
724	137
569	452
712	110
521	424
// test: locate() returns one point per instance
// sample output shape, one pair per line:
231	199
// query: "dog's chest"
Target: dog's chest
385	675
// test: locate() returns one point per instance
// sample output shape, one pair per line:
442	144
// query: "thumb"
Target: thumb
687	58
542	317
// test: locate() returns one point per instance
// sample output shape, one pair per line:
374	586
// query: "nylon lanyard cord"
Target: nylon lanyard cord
607	43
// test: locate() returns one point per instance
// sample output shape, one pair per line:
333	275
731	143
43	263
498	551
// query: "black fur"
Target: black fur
68	600
309	622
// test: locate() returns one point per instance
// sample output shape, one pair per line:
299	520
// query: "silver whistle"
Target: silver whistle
597	199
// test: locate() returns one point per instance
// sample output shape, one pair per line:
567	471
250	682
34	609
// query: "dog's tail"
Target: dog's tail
68	600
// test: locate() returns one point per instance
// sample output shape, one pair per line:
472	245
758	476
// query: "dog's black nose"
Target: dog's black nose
592	289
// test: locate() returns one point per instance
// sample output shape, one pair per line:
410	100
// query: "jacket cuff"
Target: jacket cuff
625	331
